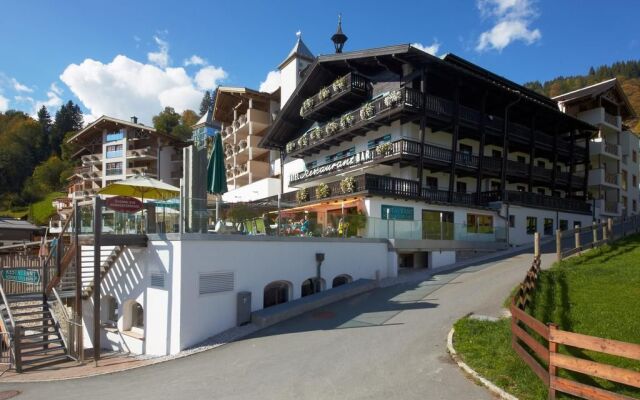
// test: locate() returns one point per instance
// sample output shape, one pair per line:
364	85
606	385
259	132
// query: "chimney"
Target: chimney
134	119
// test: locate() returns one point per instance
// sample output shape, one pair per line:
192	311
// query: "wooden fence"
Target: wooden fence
537	344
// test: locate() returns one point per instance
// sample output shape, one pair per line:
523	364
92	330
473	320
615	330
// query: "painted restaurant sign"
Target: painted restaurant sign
124	204
21	275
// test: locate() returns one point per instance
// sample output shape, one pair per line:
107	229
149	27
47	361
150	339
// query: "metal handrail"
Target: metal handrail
6	303
64	310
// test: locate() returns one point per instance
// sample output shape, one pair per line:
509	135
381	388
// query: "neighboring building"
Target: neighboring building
111	150
359	125
614	172
16	231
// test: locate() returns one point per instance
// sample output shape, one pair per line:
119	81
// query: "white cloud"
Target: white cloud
4	103
55	89
160	57
431	49
194	60
271	83
512	20
19	87
208	77
126	87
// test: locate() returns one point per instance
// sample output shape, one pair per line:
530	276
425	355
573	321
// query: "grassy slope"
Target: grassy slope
595	294
42	210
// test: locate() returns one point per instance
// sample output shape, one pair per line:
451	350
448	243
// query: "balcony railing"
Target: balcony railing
611	119
612	148
113	171
348	89
611	207
369	115
537	200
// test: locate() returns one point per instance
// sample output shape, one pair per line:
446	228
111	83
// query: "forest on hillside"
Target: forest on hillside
627	72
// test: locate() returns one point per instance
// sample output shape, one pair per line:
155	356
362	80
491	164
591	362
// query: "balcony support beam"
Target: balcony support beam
572	167
505	147
532	151
483	137
587	160
454	139
554	167
423	123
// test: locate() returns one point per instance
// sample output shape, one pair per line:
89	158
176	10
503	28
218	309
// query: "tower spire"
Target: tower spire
339	38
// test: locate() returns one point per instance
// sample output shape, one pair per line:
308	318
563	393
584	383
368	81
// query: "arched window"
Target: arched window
109	310
341	280
133	317
276	293
312	286
137	316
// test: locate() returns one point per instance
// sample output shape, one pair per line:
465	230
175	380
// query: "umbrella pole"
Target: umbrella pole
217	208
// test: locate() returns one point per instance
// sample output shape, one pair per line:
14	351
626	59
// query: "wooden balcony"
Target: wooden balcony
343	94
368	184
372	115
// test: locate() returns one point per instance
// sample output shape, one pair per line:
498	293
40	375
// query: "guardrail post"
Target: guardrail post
577	237
559	244
553	348
609	228
594	227
536	244
17	335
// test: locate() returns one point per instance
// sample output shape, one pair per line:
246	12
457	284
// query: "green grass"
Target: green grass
41	210
595	294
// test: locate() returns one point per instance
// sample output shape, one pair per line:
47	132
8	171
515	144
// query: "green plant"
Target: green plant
346	121
307	105
331	128
384	149
324	94
322	191
367	111
392	98
348	185
303	141
339	84
291	146
302	195
315	134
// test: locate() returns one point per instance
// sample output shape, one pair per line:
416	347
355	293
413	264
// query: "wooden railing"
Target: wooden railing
352	83
611	119
537	344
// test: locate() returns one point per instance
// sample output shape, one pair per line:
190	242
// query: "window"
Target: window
113	168
341	155
623	184
532	225
564	224
634	156
542	164
558	169
311	286
461	187
341	280
437	225
495	185
548	226
496	153
512	221
556	193
634	181
541	191
109	312
276	293
137	318
133	322
371	144
635	206
521	188
478	223
466	149
432	183
312	164
114	150
522	159
113	136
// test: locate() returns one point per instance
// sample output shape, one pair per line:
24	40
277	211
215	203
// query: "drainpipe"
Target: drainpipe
319	260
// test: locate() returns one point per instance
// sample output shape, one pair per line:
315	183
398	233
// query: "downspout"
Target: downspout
505	142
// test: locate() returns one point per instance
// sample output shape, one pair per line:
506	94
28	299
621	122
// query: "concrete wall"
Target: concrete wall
518	235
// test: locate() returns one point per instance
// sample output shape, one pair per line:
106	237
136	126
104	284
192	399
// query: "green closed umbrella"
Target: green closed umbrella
216	174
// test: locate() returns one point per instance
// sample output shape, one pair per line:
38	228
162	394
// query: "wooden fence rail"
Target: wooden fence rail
537	344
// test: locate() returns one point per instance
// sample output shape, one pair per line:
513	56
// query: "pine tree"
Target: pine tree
205	103
68	119
44	118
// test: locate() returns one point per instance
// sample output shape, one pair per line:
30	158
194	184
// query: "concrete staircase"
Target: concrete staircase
108	256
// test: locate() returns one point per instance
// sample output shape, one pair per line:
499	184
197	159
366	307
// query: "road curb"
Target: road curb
476	376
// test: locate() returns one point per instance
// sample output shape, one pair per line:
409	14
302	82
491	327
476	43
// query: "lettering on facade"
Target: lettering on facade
334	166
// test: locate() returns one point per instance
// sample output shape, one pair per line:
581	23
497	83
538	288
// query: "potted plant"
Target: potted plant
291	146
324	94
322	191
306	105
315	134
348	185
339	84
303	141
384	149
346	121
331	128
367	111
392	98
302	195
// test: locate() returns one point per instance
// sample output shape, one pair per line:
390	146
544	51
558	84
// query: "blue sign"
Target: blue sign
397	212
21	275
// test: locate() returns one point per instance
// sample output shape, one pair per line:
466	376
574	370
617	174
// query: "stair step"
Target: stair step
42	319
42	351
28	345
23	307
37	335
56	357
22	314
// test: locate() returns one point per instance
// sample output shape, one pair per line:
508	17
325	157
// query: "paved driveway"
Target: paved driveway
386	344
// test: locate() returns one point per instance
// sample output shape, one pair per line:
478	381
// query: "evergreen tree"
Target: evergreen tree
166	121
44	118
68	119
205	104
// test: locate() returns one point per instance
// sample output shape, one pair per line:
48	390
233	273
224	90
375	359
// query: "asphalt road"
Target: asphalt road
385	344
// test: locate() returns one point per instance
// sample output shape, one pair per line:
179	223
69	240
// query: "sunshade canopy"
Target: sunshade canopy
143	187
216	175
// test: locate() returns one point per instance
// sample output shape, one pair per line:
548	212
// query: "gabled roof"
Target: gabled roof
299	49
598	89
115	121
322	71
17	224
227	98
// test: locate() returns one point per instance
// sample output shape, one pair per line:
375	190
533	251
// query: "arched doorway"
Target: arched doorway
341	280
276	293
311	286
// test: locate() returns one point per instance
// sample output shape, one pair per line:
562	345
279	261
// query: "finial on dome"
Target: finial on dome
339	38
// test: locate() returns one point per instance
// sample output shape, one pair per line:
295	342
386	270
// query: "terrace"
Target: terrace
344	93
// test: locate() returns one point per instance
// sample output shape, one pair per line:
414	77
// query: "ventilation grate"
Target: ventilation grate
216	282
157	279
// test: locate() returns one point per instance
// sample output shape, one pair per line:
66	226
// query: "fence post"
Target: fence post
610	228
17	335
605	237
536	245
594	227
577	237
559	244
553	348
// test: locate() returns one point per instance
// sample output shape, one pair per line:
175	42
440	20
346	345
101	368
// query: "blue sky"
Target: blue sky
129	57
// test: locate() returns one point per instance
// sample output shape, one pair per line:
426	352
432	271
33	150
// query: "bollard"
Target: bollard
536	245
604	232
610	228
559	244
594	227
577	236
